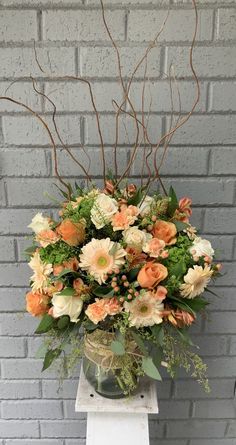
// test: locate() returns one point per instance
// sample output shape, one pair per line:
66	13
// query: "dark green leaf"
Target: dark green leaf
158	332
45	324
185	336
103	291
150	369
135	200
64	272
197	304
180	225
138	339
117	347
68	292
173	204
90	326
211	292
50	356
132	274
63	322
157	356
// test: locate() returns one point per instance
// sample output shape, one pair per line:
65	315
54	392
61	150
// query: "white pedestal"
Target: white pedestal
121	421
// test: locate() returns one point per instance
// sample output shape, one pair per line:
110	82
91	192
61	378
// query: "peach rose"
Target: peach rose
36	303
165	231
46	237
154	247
71	233
152	274
112	306
160	293
96	311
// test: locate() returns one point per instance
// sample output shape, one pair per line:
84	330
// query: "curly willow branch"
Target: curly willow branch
34	113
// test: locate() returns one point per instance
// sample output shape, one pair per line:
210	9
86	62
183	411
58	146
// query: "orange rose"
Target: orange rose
72	233
151	274
165	231
36	303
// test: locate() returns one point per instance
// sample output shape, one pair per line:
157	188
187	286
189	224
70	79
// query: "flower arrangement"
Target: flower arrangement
119	277
126	263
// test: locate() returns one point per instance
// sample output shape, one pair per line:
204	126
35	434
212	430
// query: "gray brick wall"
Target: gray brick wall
201	162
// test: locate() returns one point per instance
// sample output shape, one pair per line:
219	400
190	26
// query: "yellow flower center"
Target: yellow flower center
143	309
102	261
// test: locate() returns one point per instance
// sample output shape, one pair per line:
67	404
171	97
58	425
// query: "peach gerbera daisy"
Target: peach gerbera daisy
196	280
41	272
145	310
99	257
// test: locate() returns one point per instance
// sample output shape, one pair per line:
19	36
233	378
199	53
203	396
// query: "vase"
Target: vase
103	369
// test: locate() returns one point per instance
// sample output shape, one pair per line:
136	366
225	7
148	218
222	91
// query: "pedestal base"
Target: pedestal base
117	429
117	422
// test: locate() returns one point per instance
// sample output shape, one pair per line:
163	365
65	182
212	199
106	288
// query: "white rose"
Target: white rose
145	206
66	305
136	237
103	209
39	223
201	247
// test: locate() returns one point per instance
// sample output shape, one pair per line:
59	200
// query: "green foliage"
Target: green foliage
117	347
173	202
50	356
45	324
150	369
103	291
68	292
58	253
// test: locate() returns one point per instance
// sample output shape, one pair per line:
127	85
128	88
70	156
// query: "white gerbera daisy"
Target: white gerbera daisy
196	280
41	272
99	257
145	310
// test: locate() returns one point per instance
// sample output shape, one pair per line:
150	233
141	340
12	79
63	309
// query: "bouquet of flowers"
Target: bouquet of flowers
119	277
122	263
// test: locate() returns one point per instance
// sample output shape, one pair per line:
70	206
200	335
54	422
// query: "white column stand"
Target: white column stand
117	422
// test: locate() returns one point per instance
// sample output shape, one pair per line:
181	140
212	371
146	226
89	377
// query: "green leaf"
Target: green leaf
185	336
197	304
117	347
45	324
63	322
30	250
41	351
68	292
157	356
135	200
132	275
50	356
103	291
64	272
173	204
182	304
137	338
90	326
180	225
158	332
150	369
178	269
211	292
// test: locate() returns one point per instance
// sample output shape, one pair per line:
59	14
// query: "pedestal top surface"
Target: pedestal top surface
143	401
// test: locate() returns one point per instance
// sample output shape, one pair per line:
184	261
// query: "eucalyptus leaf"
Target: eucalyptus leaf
138	339
117	347
150	369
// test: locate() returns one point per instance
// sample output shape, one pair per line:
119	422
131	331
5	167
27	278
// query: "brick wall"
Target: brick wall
201	163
